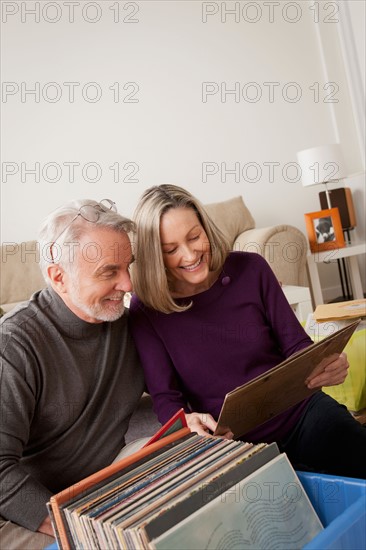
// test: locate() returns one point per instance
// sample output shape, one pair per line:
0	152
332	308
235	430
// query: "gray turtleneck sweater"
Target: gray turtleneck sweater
68	389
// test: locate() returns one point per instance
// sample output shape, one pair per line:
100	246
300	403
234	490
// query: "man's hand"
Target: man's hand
333	374
46	527
203	424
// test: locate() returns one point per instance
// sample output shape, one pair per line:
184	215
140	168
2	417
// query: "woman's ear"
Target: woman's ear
56	275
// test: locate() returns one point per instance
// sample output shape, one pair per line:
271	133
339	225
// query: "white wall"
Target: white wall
169	131
358	16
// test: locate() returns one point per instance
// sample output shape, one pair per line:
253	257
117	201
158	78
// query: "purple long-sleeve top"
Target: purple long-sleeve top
239	328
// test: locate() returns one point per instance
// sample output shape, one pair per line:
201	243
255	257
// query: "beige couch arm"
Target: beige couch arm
283	246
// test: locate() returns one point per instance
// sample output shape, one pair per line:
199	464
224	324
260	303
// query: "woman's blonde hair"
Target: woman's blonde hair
149	276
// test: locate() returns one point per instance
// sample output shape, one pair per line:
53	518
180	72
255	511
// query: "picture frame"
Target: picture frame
324	229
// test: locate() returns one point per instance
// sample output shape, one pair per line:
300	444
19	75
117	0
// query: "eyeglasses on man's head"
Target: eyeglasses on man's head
90	213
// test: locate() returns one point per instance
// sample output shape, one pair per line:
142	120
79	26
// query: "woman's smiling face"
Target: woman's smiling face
186	251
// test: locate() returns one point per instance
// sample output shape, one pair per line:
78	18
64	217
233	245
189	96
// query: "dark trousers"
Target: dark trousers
327	439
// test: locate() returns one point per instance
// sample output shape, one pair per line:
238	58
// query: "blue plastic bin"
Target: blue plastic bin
340	503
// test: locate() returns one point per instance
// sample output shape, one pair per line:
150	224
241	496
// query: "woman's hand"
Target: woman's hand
203	424
333	374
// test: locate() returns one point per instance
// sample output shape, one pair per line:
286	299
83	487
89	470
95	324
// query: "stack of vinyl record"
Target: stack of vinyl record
187	491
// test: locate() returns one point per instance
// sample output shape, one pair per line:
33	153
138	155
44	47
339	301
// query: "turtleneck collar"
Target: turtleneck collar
68	324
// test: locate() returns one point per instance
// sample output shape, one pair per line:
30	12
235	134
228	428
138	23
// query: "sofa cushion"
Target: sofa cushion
20	272
231	216
283	246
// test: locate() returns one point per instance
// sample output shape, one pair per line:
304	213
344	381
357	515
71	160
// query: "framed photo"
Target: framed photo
324	230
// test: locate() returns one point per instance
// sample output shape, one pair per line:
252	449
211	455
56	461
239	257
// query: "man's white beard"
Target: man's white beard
96	311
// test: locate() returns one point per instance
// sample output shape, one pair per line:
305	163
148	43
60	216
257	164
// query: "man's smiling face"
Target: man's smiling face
94	288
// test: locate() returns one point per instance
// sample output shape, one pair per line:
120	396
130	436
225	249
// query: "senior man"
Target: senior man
70	375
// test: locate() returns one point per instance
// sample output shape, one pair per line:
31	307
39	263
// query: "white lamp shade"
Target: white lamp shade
321	164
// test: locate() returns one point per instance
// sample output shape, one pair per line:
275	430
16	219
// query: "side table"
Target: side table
350	253
299	299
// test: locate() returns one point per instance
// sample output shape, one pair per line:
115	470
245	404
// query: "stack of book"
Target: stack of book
352	309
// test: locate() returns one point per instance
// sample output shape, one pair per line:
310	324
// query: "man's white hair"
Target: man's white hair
52	228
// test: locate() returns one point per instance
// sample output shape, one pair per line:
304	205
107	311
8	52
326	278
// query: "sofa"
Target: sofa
283	246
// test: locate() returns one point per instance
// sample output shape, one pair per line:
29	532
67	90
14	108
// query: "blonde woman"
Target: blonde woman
206	320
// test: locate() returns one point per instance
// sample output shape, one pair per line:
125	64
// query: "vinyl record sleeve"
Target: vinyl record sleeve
279	388
175	423
133	495
226	478
207	464
109	498
267	509
69	494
